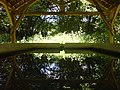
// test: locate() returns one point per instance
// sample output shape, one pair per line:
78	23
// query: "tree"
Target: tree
4	26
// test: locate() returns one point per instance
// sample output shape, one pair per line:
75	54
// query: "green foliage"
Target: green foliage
4	23
74	6
4	38
117	28
40	5
4	27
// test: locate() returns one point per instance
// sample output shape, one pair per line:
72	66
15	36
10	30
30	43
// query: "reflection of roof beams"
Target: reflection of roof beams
108	75
59	13
13	49
10	78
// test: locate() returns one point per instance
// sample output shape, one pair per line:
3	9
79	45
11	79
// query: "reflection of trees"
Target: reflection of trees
56	73
4	71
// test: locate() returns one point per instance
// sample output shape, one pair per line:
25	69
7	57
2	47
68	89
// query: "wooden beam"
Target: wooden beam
111	16
102	4
20	5
6	3
13	37
25	5
7	10
19	2
58	13
107	22
19	48
92	1
21	15
115	14
62	6
13	31
17	22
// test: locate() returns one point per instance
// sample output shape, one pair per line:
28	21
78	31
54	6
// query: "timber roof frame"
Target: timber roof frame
107	9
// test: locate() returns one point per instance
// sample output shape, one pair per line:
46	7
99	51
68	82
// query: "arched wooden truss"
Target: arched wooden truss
107	9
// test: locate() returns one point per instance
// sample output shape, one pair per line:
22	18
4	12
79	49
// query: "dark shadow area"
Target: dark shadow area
51	72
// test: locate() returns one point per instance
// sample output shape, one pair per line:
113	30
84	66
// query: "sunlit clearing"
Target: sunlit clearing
62	53
61	38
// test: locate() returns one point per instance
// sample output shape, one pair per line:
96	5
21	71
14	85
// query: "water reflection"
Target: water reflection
54	72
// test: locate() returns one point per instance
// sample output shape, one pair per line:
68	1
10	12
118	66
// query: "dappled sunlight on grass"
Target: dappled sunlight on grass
60	38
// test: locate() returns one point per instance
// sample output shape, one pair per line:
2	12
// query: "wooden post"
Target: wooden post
111	36
62	6
112	16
